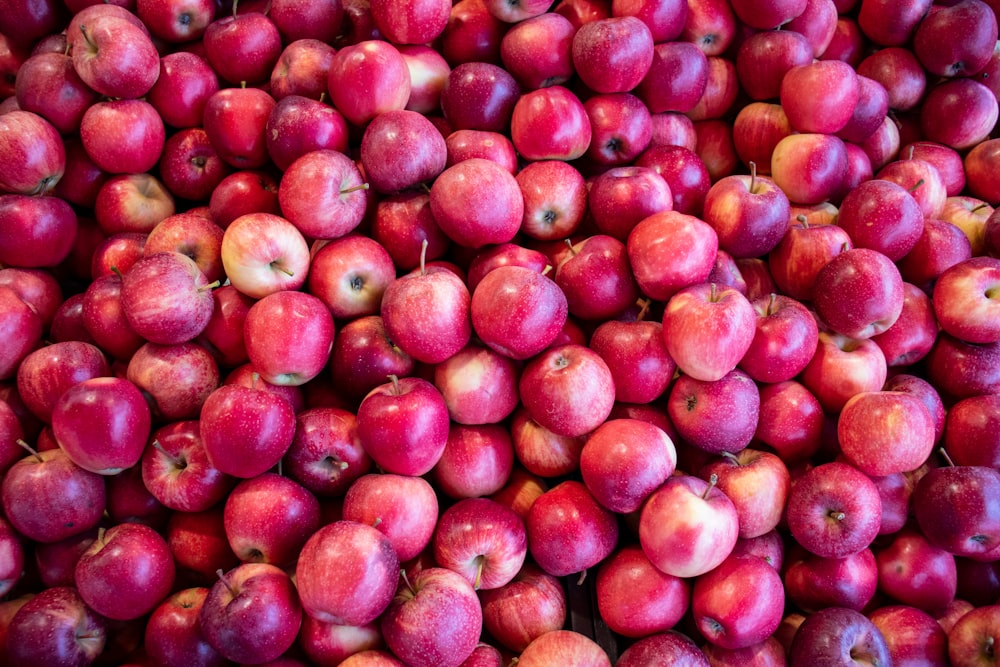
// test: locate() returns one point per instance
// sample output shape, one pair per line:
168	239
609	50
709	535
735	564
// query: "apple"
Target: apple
569	531
55	626
859	275
750	214
435	619
695	311
184	84
378	68
242	192
784	340
669	645
810	168
402	507
126	573
608	463
537	51
113	55
688	526
403	425
102	424
715	416
482	540
235	120
173	633
541	451
528	606
942	101
567	389
963	300
132	203
550	123
834	510
124	136
347	573
264	253
955	511
246	430
563	647
720	607
908	553
837	635
198	543
972	637
242	47
477	202
298	125
637	357
635	599
269	329
166	298
596	278
622	197
326	643
517	311
363	356
401	149
176	378
34	156
252	613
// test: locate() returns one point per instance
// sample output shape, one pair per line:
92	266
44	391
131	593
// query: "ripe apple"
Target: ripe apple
289	336
402	507
33	153
885	432
477	202
173	633
176	378
550	123
569	531
528	606
264	253
836	635
715	416
720	606
635	599
166	298
567	389
374	66
323	194
859	276
55	626
954	508
910	552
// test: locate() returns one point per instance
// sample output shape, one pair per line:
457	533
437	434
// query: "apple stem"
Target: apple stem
801	218
394	379
254	378
771	303
712	481
225	582
115	270
210	286
480	561
376	522
354	188
753	176
643	310
86	37
423	257
713	295
287	272
909	153
176	460
582	578
235	5
406	580
31	450
572	250
915	186
980	207
946	457
732	458
837	515
547	270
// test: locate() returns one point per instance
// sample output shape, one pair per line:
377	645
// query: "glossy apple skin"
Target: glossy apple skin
910	552
550	123
955	508
103	424
347	573
246	431
289	336
178	473
46	373
126	573
403	425
568	389
724	616
716	416
482	540
531	604
374	66
610	462
837	634
688	527
813	582
834	510
635	599
757	482
859	275
564	647
568	515
672	645
251	613
56	627
173	634
402	507
434	619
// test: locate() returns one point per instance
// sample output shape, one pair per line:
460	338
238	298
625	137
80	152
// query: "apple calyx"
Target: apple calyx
989	647
31	450
712	481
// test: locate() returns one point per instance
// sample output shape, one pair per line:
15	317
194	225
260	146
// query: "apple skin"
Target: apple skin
912	636
885	432
971	638
264	253
482	540
813	582
538	50
326	456
176	470
564	647
347	573
568	530
859	275
908	553
688	526
477	202
528	606
55	627
550	124
402	507
114	56
252	613
610	463
959	303
34	156
954	508
834	510
289	336
703	312
518	311
102	424
734	620
126	573
403	425
401	149
635	599
363	356
567	389
44	374
837	635
176	378
374	66
810	168
323	194
670	645
970	432
246	431
172	632
434	619
757	482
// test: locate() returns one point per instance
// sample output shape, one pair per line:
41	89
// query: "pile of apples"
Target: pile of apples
384	332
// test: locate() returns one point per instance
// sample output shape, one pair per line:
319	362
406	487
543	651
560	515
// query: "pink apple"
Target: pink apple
569	531
859	276
670	251
635	599
568	389
264	253
550	123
